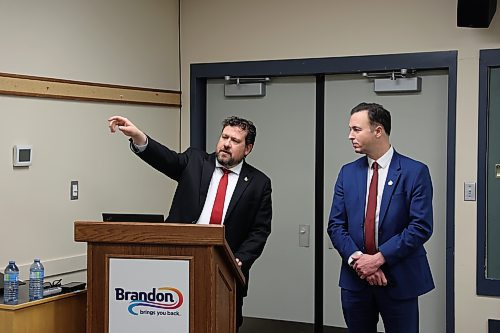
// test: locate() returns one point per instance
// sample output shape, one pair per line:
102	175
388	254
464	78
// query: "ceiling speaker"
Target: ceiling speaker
475	13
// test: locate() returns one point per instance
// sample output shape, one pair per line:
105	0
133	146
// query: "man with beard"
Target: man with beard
217	188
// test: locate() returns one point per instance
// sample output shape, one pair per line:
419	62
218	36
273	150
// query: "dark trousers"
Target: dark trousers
239	308
361	311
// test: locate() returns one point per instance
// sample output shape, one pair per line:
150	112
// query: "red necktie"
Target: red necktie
216	217
371	209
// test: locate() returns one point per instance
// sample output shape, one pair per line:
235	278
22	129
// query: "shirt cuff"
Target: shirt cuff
138	148
350	261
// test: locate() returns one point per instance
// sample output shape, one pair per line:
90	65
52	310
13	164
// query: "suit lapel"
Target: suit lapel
206	176
389	186
361	175
243	180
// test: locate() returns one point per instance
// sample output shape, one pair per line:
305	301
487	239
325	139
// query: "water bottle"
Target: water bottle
11	284
36	280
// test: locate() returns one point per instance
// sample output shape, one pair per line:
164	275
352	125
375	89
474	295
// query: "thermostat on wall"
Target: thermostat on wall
22	155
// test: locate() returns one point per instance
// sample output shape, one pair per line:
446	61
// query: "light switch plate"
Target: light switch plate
469	191
73	192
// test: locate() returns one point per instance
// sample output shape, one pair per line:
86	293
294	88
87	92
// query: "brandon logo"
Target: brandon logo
166	298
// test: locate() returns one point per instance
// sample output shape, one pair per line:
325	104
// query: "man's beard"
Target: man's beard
227	163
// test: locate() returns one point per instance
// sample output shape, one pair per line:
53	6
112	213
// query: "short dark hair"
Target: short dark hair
376	114
245	125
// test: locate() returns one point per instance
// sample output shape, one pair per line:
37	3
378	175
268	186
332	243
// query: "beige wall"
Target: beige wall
135	43
114	41
226	30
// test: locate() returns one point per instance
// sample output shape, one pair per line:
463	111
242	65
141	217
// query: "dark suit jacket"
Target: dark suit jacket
248	217
405	224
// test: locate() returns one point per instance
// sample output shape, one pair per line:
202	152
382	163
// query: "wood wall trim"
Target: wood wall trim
35	86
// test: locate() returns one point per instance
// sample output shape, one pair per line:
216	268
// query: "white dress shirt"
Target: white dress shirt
383	169
212	191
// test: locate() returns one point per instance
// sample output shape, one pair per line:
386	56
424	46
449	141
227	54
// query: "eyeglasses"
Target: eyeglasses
55	283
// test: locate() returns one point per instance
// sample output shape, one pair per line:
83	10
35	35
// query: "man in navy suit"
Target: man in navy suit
247	208
379	226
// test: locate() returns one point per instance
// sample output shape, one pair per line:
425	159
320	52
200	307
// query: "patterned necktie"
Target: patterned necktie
371	209
218	208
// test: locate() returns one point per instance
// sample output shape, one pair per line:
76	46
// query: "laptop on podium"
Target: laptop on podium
132	217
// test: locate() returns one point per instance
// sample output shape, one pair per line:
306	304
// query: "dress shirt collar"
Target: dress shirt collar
236	169
384	161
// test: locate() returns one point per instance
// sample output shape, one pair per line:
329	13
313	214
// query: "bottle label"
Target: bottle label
11	277
36	275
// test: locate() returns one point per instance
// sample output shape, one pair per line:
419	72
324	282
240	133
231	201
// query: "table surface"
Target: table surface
25	302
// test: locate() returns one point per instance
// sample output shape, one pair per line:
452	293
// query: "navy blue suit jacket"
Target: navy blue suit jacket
405	224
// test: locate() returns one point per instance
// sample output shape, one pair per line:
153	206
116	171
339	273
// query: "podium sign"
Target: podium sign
148	295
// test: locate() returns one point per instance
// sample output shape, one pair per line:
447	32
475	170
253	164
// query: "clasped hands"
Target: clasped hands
368	268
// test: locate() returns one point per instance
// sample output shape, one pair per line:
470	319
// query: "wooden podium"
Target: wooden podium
213	272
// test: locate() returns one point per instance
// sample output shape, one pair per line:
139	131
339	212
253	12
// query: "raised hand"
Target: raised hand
127	128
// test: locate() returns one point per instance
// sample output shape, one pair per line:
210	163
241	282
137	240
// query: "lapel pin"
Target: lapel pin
246	179
390	183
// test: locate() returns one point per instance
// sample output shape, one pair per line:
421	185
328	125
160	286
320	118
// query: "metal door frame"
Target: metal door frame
484	286
319	67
